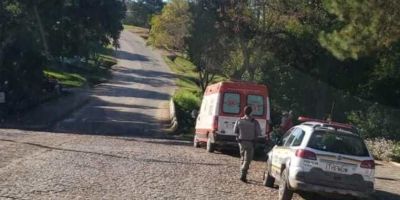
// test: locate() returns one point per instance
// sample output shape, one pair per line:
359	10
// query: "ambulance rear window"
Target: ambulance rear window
257	104
231	103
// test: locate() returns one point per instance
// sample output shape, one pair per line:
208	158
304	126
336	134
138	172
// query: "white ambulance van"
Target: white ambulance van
222	105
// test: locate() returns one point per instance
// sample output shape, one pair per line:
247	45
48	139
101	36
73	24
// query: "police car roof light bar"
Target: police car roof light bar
329	123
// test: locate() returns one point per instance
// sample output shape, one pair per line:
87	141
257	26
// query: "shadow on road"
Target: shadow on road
111	155
124	55
122	91
170	142
383	195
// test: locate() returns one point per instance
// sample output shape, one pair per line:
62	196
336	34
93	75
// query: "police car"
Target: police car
321	157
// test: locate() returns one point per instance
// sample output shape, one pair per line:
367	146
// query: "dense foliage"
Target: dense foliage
36	34
139	12
170	29
319	57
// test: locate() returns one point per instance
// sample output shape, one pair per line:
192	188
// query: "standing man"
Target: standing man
286	122
247	129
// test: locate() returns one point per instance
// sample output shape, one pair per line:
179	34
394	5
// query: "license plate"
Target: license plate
334	167
229	125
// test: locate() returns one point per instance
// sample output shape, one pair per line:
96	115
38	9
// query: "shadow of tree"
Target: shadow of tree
120	54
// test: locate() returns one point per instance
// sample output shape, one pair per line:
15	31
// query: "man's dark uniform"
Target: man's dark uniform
247	130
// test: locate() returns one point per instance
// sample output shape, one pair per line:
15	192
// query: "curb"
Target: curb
172	116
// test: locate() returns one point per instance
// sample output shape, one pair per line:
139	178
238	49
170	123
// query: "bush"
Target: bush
185	102
377	121
396	152
383	149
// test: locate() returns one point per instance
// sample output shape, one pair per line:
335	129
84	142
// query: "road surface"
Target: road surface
109	149
133	101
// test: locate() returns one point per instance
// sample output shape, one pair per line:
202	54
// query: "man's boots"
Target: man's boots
243	177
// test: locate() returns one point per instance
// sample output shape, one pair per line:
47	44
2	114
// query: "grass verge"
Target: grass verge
81	74
188	94
142	32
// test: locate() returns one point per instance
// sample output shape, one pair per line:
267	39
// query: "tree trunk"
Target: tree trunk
41	30
252	72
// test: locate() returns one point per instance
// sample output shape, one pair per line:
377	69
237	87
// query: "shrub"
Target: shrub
377	121
396	152
382	149
185	102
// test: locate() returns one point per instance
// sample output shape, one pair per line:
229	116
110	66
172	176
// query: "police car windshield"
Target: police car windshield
337	142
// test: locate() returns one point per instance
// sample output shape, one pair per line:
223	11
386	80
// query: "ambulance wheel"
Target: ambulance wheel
196	143
210	145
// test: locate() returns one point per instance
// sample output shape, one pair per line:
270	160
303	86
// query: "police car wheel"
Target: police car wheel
268	179
196	143
284	192
210	145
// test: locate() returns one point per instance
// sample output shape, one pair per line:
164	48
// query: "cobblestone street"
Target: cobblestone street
38	165
64	166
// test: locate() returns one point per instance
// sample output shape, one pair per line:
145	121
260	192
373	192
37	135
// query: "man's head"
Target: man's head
248	110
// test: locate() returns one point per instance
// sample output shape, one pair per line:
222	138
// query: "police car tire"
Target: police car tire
210	145
284	192
196	143
268	179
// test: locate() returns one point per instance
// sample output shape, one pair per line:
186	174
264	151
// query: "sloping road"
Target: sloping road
132	102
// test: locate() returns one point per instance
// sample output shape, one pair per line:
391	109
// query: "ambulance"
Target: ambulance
222	105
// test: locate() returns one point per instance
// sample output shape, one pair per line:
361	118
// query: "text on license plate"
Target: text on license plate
330	166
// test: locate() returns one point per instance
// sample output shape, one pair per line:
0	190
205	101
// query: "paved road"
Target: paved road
39	165
133	101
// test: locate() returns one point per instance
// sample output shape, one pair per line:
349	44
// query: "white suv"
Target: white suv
321	157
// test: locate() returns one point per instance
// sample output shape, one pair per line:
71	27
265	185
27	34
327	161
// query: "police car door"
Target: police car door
281	153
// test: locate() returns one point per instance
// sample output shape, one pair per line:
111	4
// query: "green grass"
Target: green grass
66	79
187	75
188	95
142	32
84	74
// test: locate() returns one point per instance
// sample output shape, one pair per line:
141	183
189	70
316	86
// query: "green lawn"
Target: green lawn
84	74
142	32
186	73
188	95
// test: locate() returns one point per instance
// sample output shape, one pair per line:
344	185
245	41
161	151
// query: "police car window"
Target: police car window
231	103
286	136
289	140
298	137
257	104
338	143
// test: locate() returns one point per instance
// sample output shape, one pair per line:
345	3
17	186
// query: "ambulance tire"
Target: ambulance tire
196	143
210	145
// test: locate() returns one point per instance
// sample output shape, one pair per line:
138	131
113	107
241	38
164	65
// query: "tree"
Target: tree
171	28
141	11
34	34
206	49
363	27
